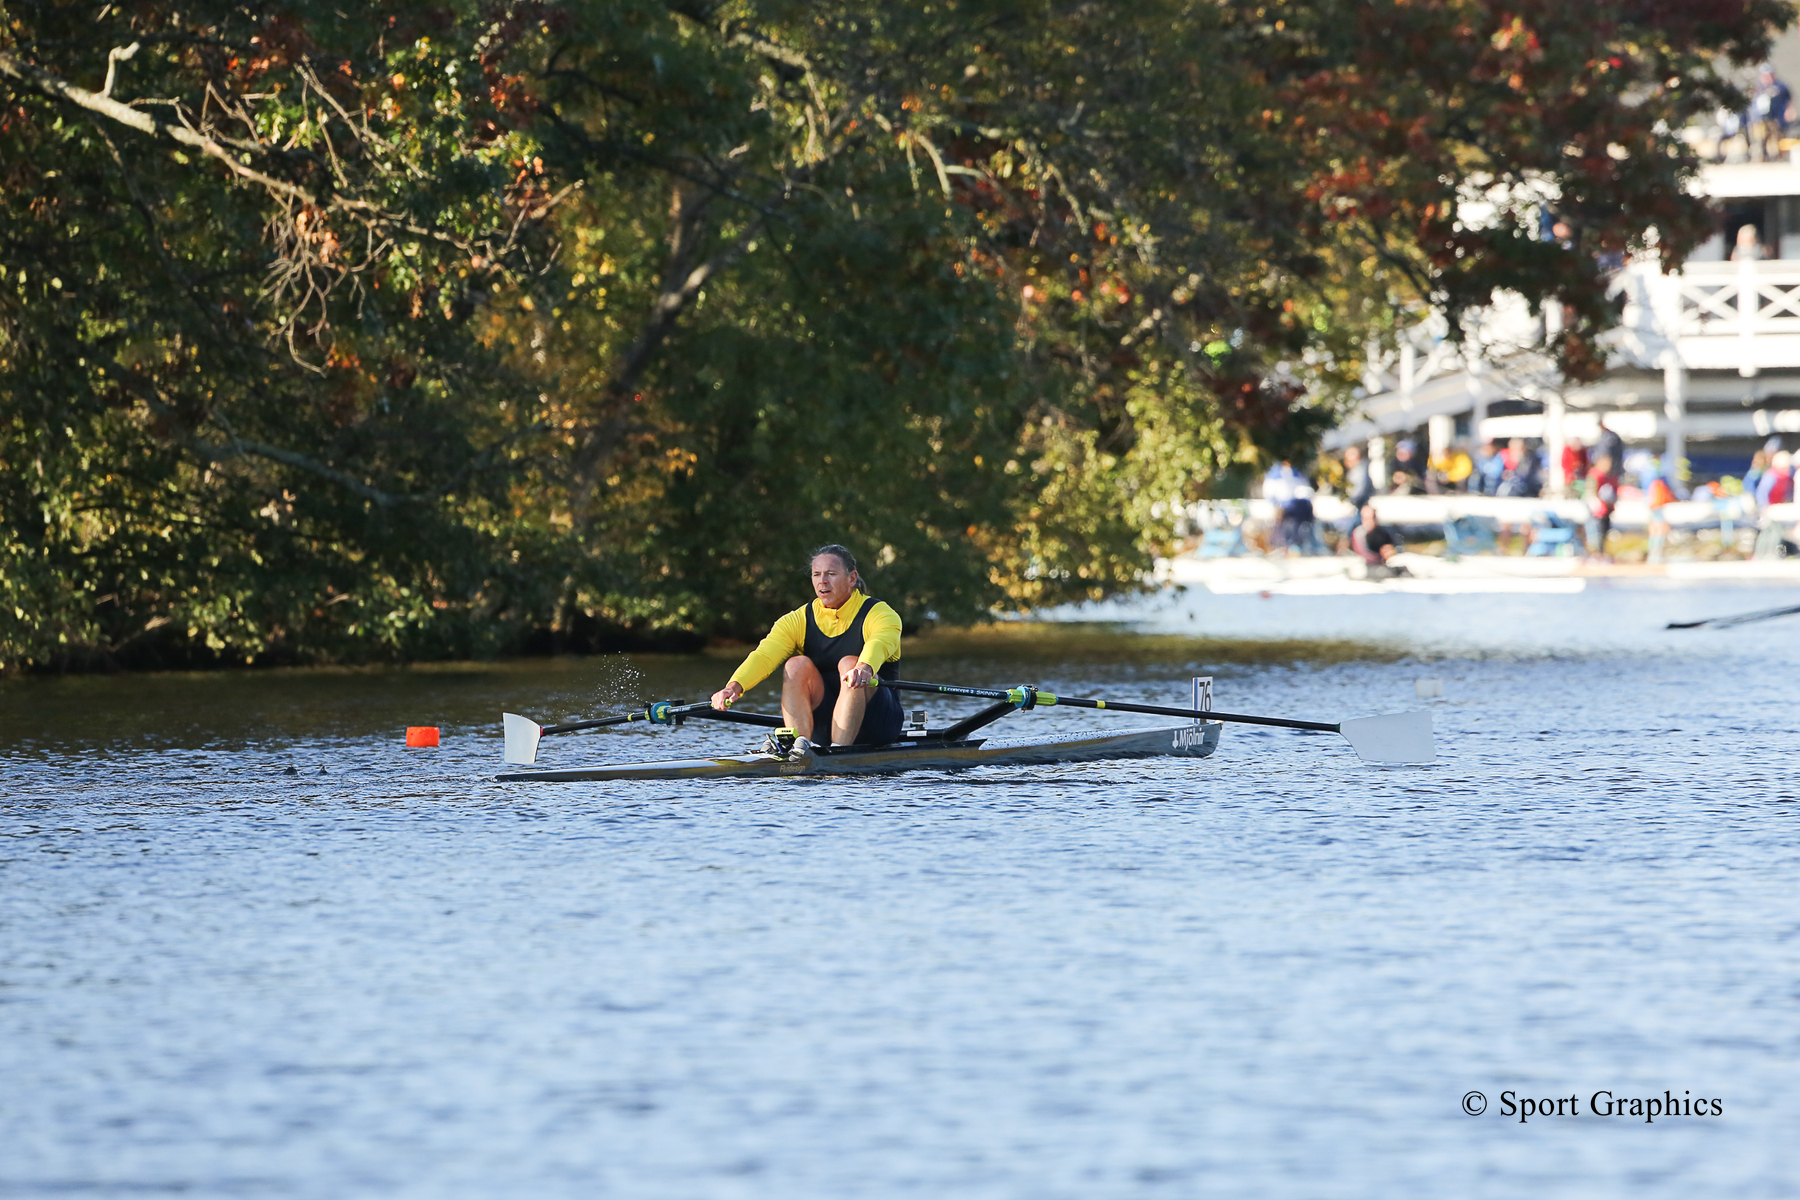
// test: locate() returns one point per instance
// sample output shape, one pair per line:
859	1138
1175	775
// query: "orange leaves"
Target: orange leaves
509	93
311	229
281	43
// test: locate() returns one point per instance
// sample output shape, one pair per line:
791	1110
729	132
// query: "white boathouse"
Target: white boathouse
1705	365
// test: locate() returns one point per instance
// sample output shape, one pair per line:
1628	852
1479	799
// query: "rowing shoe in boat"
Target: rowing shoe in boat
1400	738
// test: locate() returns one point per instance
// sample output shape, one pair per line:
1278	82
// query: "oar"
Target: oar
522	733
1390	739
1739	619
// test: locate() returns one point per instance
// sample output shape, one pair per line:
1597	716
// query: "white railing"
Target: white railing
1708	316
1714	314
1730	299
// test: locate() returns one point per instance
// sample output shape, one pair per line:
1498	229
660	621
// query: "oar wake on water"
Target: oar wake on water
1393	739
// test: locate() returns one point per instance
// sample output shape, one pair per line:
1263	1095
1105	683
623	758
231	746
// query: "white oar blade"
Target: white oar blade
1397	738
521	739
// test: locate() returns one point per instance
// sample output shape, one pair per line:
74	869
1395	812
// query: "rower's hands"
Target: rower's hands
722	698
859	675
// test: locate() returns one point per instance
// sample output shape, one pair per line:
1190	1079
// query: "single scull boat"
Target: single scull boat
912	754
1394	739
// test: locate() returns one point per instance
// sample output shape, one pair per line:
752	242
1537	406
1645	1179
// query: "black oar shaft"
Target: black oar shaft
1205	714
1017	696
576	726
662	716
685	710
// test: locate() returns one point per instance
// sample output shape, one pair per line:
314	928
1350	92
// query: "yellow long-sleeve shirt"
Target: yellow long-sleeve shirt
881	637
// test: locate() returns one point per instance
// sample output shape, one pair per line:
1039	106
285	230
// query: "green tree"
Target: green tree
413	331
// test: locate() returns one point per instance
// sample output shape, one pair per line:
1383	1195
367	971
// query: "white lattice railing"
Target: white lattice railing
1732	299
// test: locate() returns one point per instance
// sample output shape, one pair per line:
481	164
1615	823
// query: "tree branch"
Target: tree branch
124	114
242	447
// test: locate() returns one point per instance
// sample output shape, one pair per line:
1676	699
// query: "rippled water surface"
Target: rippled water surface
1272	973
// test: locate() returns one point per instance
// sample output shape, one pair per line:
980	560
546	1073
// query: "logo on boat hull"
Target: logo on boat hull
1189	737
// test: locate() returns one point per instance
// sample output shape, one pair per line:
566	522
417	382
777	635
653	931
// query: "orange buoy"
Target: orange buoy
421	735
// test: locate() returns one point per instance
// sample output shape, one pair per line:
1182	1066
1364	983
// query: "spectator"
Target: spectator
1749	244
1602	497
1553	228
1521	477
1731	123
1490	466
1611	445
1777	483
1759	463
1297	532
1659	495
1449	470
1279	484
1358	485
1376	545
1406	478
1768	114
1575	461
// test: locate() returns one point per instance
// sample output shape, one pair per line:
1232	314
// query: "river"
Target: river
250	945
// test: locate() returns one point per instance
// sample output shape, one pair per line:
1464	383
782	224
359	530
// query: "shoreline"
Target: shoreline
1471	574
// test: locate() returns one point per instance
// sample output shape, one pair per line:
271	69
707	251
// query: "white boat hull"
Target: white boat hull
1186	741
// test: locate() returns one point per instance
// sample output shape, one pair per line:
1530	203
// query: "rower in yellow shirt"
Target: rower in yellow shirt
829	652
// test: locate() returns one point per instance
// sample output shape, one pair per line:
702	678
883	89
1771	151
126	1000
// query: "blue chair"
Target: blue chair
1226	542
1551	535
1469	535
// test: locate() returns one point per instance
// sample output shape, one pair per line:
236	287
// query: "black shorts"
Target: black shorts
882	720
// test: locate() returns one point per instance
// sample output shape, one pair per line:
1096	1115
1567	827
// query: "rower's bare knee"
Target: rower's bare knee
800	673
846	664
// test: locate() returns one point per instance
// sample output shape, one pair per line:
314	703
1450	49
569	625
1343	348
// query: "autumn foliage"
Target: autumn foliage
390	331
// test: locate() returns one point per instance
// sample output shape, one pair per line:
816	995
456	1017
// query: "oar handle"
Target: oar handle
1028	697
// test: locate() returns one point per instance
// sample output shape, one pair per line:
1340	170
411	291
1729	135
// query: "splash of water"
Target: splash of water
619	685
